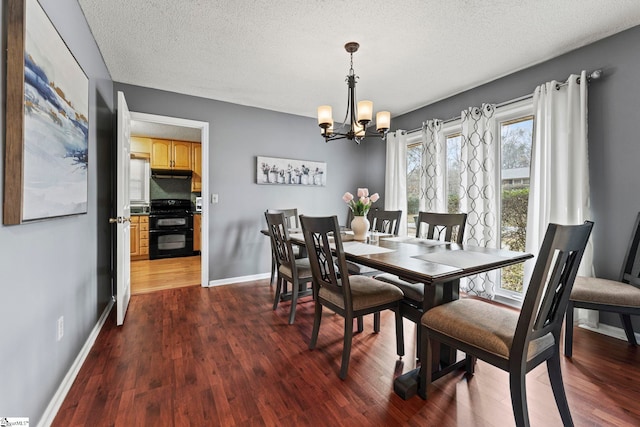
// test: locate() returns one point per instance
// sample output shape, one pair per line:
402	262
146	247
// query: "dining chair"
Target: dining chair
290	270
291	217
514	342
448	227
349	296
380	221
620	296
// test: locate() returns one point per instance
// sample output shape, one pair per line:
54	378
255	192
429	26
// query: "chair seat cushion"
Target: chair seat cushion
303	267
365	293
354	268
482	325
604	291
414	291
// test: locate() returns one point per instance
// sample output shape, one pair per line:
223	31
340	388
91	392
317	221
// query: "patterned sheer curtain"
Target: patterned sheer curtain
559	189
432	174
478	189
395	183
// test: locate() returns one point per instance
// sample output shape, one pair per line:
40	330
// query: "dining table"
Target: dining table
436	264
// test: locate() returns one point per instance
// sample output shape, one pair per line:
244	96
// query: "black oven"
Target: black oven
170	228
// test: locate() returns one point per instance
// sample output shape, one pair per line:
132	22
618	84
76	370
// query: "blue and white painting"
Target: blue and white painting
56	110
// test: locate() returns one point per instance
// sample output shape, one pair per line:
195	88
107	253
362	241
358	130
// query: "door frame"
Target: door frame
204	141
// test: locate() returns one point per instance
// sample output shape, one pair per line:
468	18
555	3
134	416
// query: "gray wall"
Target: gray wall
237	135
57	267
614	134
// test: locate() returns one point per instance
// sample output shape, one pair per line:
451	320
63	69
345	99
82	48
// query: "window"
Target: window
515	127
453	145
414	163
515	134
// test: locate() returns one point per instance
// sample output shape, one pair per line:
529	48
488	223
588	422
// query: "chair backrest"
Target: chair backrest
290	215
448	227
279	235
385	221
547	296
631	268
329	270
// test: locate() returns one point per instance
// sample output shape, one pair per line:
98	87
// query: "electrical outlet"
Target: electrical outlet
214	198
60	333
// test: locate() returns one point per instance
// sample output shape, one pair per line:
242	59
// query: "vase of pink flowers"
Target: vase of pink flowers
360	207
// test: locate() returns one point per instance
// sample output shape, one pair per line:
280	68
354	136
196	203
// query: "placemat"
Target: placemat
358	248
460	259
416	241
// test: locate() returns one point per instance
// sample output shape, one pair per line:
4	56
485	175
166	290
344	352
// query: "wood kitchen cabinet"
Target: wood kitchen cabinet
139	232
197	232
196	167
141	145
167	154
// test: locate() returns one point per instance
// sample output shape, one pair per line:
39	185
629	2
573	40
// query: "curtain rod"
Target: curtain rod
593	75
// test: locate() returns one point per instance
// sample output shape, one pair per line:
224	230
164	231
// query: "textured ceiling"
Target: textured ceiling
288	55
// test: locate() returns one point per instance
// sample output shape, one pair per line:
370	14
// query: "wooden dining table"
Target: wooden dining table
438	265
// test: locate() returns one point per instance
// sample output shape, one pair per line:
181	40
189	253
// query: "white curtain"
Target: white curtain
559	190
432	175
395	186
478	189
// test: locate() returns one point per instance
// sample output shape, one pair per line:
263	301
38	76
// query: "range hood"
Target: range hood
171	173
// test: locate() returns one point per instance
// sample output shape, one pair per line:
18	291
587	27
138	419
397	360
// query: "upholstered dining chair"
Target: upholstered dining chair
620	296
348	296
448	227
514	342
291	218
290	270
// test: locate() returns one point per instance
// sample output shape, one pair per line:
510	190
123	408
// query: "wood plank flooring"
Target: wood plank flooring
166	273
221	357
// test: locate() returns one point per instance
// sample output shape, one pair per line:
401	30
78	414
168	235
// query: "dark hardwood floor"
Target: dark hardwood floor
221	357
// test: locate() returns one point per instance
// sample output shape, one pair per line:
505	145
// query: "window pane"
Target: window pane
414	160
516	141
454	144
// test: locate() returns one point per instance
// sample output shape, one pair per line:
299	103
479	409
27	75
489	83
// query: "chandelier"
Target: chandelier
357	119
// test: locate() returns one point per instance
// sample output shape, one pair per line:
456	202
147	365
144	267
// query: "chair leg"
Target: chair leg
317	318
628	329
360	324
470	364
555	376
568	331
346	350
426	357
418	340
274	267
295	288
399	330
376	322
276	299
518	388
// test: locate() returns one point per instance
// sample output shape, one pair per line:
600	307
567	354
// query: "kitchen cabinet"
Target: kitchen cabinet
141	145
197	232
139	232
196	167
167	154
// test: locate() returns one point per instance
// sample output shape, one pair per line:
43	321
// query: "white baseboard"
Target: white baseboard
61	393
240	279
610	331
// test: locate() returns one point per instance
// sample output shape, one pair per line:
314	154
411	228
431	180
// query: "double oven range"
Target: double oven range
170	228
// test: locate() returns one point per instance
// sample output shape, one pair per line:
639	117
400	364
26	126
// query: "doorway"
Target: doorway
181	271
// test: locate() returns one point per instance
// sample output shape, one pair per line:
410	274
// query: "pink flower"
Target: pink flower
374	197
347	197
364	200
363	192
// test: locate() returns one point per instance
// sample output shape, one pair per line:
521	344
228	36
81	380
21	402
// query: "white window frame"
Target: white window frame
506	113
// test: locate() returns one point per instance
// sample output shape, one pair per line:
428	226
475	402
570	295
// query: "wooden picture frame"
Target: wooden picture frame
277	171
47	126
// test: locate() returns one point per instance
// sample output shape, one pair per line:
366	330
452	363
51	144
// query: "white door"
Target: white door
123	214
